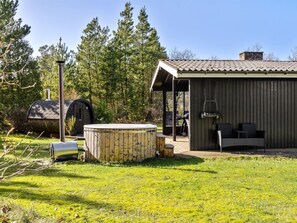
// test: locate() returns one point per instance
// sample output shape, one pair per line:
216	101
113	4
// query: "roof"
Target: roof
48	109
186	69
232	66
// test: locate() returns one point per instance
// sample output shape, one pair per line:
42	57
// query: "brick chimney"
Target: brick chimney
249	55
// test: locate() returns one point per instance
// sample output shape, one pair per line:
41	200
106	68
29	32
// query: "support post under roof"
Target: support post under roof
164	110
174	109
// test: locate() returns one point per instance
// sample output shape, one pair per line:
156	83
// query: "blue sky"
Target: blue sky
221	28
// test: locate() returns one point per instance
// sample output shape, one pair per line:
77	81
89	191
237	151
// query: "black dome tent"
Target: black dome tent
43	115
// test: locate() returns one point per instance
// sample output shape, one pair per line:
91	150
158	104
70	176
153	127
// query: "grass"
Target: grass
242	189
33	140
41	143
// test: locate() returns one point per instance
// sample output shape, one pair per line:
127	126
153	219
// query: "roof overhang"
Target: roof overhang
162	79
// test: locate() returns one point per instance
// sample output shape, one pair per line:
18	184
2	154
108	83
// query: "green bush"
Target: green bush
14	118
70	125
103	114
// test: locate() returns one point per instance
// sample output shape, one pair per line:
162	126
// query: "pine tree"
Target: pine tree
20	83
122	44
148	50
141	58
48	69
91	62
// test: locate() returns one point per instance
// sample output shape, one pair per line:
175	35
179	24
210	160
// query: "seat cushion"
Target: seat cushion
251	128
226	130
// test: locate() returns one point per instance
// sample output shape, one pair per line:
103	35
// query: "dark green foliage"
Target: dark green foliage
20	83
135	52
103	114
122	44
147	52
94	78
48	69
115	74
91	76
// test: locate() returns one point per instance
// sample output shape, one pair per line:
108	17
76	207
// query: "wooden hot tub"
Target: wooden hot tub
119	142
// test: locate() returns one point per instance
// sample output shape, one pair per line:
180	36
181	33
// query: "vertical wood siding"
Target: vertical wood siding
270	103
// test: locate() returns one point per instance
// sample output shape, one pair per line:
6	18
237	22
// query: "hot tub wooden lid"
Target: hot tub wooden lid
120	126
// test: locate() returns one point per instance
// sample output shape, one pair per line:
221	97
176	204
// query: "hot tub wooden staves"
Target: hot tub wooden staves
119	142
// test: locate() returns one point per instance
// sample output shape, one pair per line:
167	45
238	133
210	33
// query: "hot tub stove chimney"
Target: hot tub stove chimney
61	100
63	150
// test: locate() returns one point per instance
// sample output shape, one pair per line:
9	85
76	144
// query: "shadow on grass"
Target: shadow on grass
192	170
54	199
165	162
151	162
171	163
54	172
49	171
177	163
17	184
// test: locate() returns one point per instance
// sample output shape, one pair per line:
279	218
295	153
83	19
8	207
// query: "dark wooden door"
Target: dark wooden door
79	114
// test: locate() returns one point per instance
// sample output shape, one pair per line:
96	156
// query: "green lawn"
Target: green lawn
33	140
42	144
243	189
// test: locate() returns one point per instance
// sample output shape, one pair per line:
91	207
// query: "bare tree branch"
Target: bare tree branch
12	164
257	47
176	54
293	56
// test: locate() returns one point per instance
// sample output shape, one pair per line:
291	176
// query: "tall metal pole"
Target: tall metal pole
61	100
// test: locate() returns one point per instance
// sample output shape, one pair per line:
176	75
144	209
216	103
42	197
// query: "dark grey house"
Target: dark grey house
249	90
43	115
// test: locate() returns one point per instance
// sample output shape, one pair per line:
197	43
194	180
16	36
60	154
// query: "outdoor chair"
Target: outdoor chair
246	135
251	130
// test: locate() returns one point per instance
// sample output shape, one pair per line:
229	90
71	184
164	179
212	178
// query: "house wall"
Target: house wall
270	103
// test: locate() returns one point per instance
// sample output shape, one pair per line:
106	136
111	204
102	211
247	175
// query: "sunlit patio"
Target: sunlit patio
181	149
